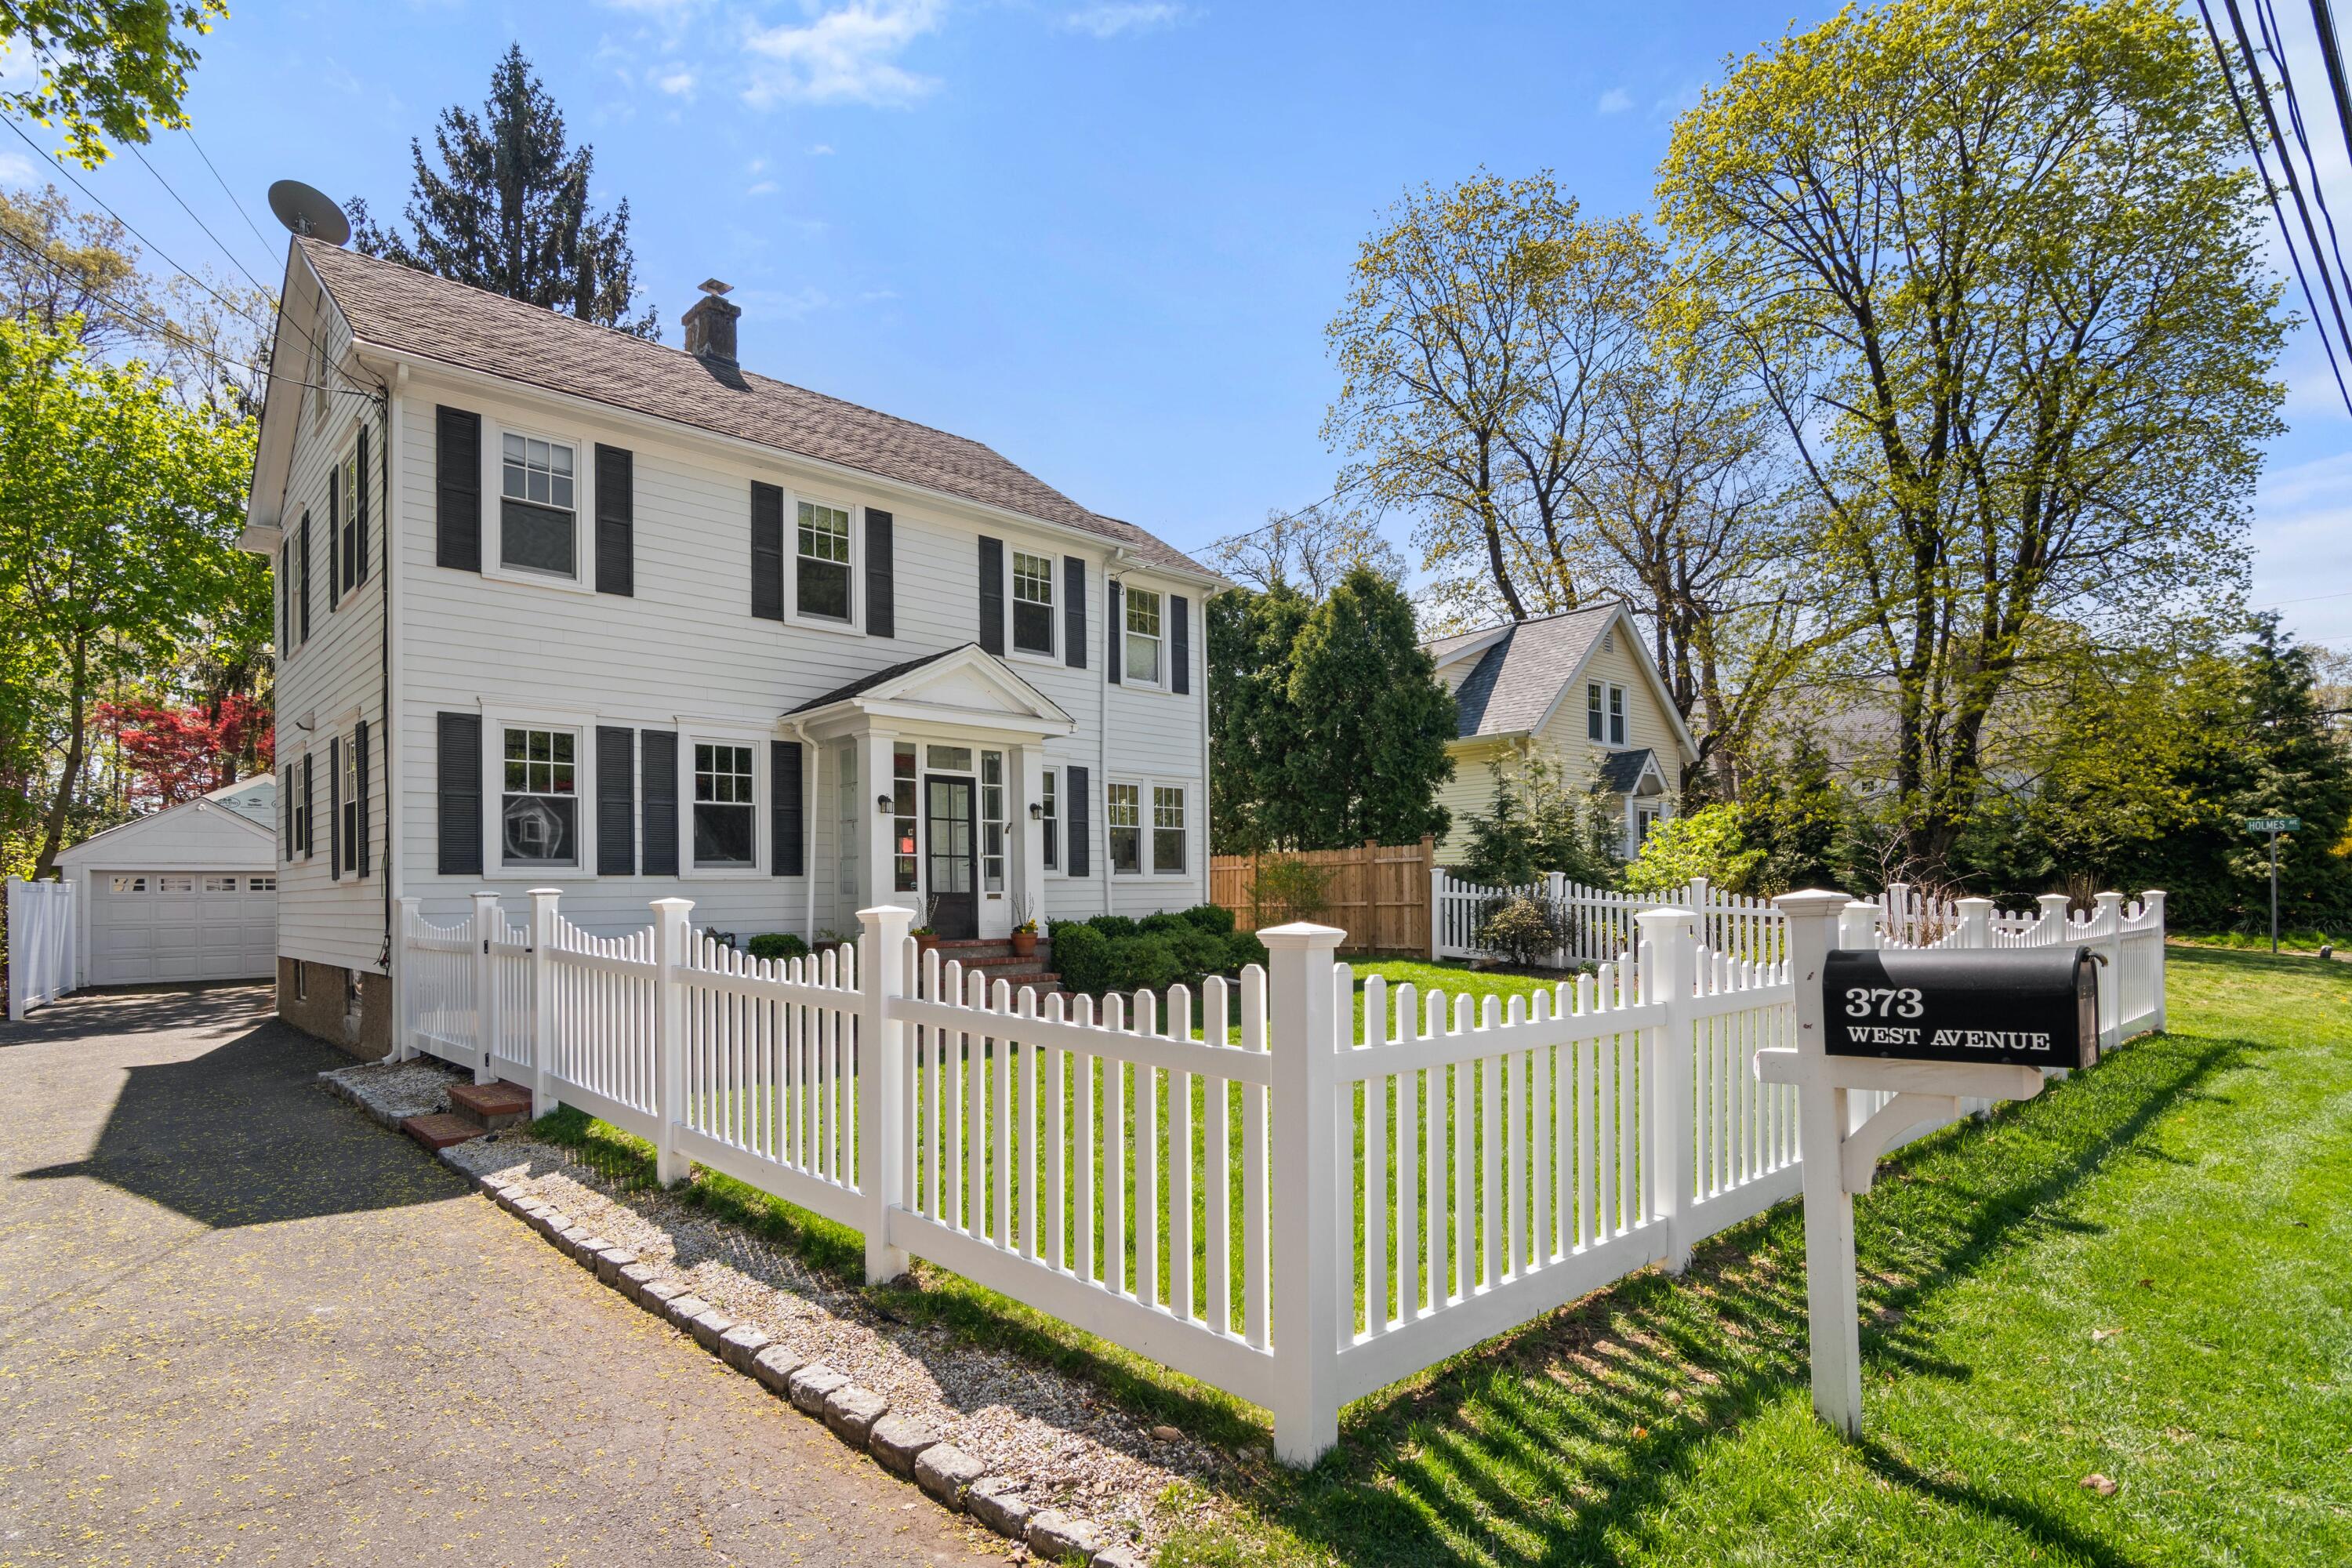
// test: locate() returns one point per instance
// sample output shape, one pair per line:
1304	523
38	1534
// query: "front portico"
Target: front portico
931	774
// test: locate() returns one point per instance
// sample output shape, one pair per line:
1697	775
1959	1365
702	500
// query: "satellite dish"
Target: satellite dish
305	211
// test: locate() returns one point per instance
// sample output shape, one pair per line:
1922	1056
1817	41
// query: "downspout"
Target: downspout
383	718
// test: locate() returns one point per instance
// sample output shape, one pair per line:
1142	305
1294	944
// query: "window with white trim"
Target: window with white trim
1123	811
539	797
539	519
904	874
1033	603
822	585
1168	829
346	522
1604	712
351	804
992	822
1142	637
723	801
1049	817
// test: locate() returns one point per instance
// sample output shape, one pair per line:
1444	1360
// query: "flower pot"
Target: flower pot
926	940
1025	944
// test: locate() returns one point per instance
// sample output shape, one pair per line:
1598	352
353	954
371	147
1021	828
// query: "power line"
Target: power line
2274	40
266	291
266	247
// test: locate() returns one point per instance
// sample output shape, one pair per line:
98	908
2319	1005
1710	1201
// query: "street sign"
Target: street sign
2026	1006
2273	825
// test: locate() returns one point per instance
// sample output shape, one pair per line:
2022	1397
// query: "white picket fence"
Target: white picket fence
40	943
1118	1167
1601	921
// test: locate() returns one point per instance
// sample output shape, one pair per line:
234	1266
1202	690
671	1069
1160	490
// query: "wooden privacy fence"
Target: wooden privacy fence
1378	893
1281	1192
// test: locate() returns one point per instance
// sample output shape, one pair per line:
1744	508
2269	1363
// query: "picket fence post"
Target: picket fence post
1975	922
2055	907
1437	912
485	990
2154	900
883	1084
1666	974
403	989
2109	930
542	1000
1307	1148
1816	924
669	1035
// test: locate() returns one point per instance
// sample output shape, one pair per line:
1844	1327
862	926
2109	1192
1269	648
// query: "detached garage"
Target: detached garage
184	895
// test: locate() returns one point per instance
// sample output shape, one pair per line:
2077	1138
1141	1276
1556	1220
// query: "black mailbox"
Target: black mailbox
2034	1006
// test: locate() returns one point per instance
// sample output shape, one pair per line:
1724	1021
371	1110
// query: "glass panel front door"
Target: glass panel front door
948	847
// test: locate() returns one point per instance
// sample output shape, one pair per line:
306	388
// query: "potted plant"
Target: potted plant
926	935
1024	933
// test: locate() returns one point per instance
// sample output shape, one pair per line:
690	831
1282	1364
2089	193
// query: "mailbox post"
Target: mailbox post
1839	1159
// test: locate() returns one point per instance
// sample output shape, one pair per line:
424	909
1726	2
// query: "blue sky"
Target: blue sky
1102	236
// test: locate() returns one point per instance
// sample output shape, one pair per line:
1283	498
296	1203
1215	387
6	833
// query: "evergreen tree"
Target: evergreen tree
508	211
1253	724
1373	721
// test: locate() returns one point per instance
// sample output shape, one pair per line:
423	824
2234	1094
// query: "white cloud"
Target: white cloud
821	150
16	168
678	83
846	55
1616	100
762	188
1110	18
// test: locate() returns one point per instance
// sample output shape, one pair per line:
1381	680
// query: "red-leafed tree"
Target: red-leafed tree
175	754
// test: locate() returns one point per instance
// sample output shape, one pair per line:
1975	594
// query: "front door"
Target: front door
950	847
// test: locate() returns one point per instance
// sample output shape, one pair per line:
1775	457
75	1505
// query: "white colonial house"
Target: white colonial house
560	607
1575	689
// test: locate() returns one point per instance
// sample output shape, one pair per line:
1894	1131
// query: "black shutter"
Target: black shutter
334	808
658	765
309	802
457	492
1111	649
460	780
359	849
359	516
992	595
784	813
339	564
767	554
616	522
616	790
1180	655
1074	610
286	814
306	576
881	580
1078	807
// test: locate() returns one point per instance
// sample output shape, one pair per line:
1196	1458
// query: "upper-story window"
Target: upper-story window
539	806
346	522
537	521
1033	603
1604	712
823	582
722	804
1142	637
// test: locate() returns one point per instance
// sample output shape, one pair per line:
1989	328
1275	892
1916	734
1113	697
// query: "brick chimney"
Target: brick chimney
710	324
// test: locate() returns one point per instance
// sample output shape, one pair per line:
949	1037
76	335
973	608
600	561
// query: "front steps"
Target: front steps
995	957
474	1109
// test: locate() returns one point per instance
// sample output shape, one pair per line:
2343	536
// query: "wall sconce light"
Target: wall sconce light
1036	810
882	803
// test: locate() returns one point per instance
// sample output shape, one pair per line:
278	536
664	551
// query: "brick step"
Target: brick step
440	1130
491	1105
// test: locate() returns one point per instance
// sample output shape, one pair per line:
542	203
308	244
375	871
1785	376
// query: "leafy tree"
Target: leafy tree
1705	843
1309	551
508	210
176	752
1995	264
108	69
1373	721
1794	815
1539	824
1253	727
120	509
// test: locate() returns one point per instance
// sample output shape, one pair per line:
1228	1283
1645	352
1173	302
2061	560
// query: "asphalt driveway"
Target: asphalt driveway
240	1322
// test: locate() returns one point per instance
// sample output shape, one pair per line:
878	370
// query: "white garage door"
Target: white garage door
151	926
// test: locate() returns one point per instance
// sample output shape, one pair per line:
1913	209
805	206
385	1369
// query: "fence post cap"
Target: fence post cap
546	893
1813	901
1302	933
1972	903
673	904
883	914
2106	899
1668	919
2152	896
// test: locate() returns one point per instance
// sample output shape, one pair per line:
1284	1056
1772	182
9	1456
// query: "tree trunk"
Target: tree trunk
53	831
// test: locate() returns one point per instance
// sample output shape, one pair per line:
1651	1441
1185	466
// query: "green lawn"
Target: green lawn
2188	1200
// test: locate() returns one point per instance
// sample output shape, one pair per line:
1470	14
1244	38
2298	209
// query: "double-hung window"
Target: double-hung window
351	803
539	805
1604	712
1049	817
822	580
722	804
1123	807
1033	603
539	523
347	523
1168	829
992	822
1142	637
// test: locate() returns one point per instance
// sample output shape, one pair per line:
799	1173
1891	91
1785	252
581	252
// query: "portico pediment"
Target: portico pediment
963	688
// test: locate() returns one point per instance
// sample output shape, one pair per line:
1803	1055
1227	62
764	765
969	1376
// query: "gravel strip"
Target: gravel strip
1047	1441
391	1092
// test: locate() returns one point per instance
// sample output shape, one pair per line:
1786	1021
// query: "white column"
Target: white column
1025	769
1309	1281
2154	900
873	873
1831	1310
485	990
1975	922
1665	980
2109	931
883	1084
404	998
669	1035
542	1000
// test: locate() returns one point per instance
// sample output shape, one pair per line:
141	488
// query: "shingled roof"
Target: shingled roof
414	312
1518	678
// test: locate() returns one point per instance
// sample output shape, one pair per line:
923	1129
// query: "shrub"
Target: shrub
1113	926
1198	952
1147	962
1524	931
1082	956
1214	918
1707	843
776	944
1289	890
1242	949
1164	922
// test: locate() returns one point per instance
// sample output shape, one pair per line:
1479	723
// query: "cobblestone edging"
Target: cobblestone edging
858	1416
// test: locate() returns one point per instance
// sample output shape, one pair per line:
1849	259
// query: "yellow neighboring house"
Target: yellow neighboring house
1575	689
